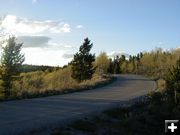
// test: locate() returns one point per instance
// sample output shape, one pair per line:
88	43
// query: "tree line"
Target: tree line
32	68
12	60
157	63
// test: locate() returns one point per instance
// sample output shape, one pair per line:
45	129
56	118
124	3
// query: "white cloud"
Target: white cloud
54	54
12	24
61	28
60	46
65	28
40	56
79	26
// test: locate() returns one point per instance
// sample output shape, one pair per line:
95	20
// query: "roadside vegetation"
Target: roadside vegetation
11	61
27	81
142	118
37	84
155	63
86	71
146	116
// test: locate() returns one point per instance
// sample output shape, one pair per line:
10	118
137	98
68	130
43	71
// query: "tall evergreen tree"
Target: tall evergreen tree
111	66
141	54
11	60
117	69
122	58
82	64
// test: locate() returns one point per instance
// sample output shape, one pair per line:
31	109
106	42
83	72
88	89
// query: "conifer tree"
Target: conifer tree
11	60
117	65
82	64
111	66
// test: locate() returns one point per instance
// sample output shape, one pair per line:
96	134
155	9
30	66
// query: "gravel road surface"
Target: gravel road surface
23	116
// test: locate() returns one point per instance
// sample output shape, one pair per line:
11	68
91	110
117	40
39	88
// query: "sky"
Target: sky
53	30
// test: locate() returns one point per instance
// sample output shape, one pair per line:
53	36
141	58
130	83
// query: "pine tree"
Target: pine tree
141	54
11	60
82	64
122	58
117	69
111	66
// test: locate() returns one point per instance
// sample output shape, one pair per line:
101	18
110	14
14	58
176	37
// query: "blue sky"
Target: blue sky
57	27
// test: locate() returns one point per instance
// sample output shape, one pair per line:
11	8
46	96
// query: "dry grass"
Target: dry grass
161	84
35	84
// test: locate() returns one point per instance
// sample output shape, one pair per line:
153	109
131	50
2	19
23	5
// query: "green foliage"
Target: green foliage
117	69
46	80
115	66
11	61
111	67
32	68
82	64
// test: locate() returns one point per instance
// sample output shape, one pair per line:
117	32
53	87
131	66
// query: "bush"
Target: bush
39	83
59	80
161	84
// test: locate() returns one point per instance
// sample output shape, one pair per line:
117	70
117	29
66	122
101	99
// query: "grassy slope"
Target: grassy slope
41	84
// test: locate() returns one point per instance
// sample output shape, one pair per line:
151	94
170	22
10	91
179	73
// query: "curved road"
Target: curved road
37	114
